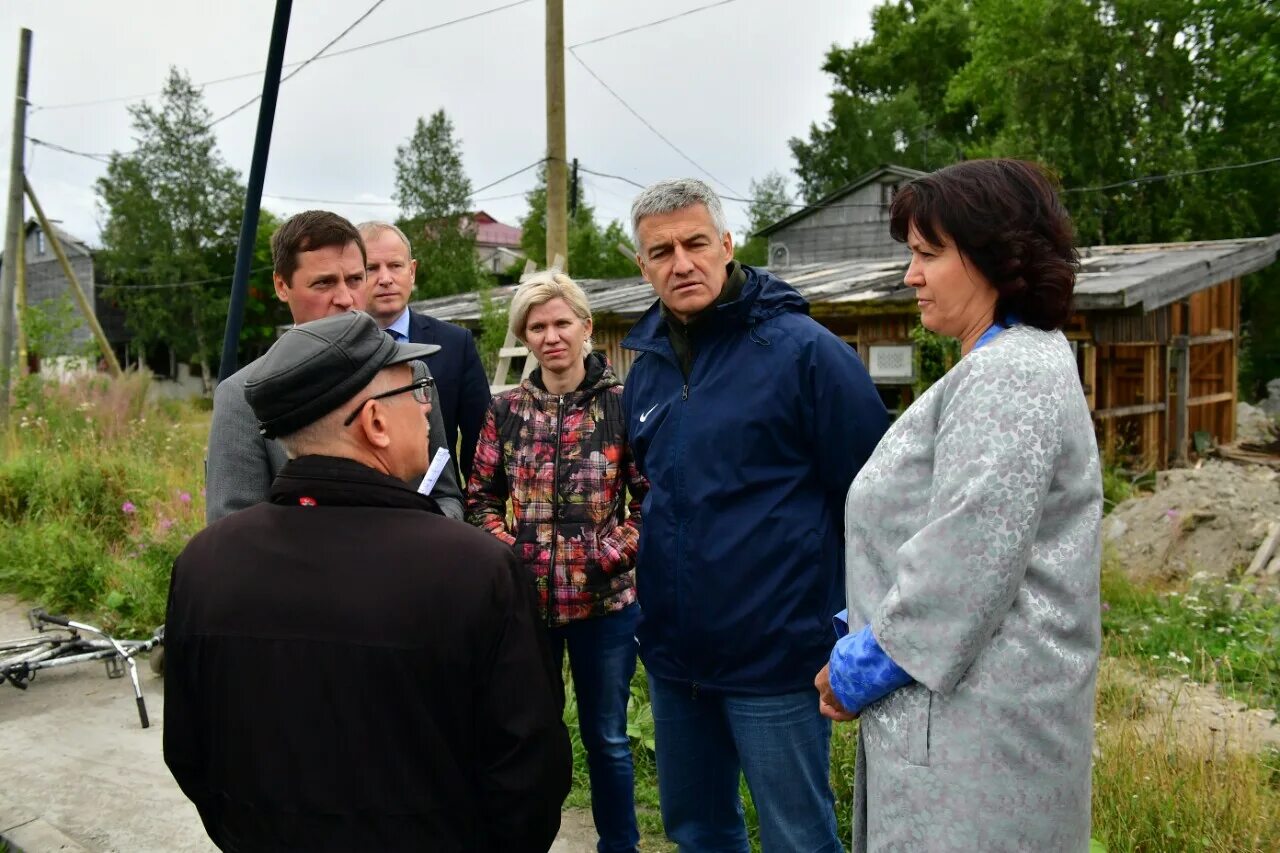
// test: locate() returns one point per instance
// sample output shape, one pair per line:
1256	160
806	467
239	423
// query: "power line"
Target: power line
636	184
1169	175
384	203
651	23
101	158
646	123
1147	179
171	285
504	178
307	62
297	64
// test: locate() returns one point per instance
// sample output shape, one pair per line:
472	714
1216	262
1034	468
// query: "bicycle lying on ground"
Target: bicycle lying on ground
59	643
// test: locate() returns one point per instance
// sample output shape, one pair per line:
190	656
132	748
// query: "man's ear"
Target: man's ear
374	423
282	288
728	245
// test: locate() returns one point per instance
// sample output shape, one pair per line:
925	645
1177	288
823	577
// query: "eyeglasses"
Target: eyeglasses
420	386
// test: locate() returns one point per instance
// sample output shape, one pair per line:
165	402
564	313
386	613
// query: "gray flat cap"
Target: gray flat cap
316	367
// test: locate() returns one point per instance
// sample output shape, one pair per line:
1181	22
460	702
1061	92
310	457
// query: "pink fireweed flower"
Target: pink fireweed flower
128	508
185	497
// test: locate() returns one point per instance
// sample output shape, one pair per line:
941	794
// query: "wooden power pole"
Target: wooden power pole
82	299
557	177
14	231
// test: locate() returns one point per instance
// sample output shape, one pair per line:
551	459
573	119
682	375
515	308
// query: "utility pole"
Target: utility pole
108	355
253	195
557	203
13	233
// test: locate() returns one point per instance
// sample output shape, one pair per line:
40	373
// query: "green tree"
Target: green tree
433	191
172	210
770	202
1102	92
889	104
593	253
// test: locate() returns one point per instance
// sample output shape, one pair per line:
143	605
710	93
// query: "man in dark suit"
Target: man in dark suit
460	378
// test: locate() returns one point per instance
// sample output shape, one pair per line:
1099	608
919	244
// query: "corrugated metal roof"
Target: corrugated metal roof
1111	277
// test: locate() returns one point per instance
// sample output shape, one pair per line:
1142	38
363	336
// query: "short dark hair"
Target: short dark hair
306	232
1004	216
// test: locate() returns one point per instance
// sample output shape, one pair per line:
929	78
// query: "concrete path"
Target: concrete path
77	772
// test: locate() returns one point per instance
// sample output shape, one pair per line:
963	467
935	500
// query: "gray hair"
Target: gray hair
672	195
369	230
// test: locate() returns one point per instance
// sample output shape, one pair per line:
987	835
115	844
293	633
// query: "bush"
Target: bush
98	494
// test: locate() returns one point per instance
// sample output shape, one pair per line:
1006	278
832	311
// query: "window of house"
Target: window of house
887	192
39	242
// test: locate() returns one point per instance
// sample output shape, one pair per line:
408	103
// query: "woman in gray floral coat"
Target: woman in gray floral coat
970	645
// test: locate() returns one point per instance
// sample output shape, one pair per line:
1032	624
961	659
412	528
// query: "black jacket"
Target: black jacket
460	381
348	670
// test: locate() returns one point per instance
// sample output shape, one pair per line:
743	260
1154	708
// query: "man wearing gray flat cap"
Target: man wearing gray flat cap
347	669
319	271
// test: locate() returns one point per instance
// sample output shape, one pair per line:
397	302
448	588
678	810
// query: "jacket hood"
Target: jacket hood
763	297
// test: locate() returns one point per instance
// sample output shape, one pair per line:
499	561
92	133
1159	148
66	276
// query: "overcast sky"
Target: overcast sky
729	86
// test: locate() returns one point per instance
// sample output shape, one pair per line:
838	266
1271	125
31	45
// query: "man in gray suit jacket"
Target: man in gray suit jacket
319	260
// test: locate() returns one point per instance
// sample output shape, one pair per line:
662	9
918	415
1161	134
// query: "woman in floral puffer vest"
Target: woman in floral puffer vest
556	448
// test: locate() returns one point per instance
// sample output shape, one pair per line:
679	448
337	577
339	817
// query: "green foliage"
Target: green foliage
935	354
593	253
433	191
889	103
1101	92
1197	633
1116	487
98	494
172	214
493	326
770	202
50	327
430	180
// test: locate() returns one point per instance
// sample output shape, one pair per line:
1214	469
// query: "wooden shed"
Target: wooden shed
851	222
1156	332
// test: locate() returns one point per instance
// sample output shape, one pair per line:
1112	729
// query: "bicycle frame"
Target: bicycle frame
36	653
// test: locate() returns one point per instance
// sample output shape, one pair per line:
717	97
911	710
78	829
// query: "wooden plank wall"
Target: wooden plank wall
1124	361
1214	364
1135	395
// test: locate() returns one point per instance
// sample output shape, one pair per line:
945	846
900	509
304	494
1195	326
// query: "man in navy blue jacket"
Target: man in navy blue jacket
460	378
750	420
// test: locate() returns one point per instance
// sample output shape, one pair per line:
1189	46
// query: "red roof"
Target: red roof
491	232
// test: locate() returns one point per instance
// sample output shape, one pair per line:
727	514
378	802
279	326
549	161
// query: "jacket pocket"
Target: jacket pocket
918	728
900	723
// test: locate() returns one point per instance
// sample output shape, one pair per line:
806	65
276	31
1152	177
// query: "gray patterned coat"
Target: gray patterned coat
974	552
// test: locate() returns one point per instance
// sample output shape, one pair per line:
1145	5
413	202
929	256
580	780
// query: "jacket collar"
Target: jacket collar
334	481
600	376
763	295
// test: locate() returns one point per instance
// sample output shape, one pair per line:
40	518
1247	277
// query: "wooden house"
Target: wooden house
852	222
1156	332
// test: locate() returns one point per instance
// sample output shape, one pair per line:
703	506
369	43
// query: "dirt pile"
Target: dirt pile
1210	519
1254	425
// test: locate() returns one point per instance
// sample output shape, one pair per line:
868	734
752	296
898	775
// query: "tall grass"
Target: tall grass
1156	788
99	491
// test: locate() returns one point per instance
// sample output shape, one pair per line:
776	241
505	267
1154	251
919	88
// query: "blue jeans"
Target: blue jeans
781	743
602	658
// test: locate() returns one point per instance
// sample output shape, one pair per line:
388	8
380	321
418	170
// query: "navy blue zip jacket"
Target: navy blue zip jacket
741	562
